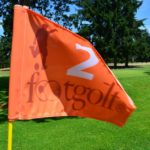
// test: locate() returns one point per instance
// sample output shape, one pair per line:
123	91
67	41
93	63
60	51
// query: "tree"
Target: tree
4	62
110	25
52	9
142	53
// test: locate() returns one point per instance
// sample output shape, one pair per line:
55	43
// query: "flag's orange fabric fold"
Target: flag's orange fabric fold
55	72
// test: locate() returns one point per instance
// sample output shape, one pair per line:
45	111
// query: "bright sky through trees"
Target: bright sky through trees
143	13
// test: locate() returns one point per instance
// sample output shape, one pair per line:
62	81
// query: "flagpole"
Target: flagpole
10	129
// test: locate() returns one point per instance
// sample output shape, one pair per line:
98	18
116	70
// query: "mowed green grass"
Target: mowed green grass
88	134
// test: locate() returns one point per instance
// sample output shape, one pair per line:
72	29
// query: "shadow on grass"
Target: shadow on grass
41	120
123	67
147	72
4	83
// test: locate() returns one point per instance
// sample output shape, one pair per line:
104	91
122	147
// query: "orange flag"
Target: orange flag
55	72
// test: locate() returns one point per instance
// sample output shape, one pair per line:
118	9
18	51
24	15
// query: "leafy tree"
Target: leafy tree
143	47
110	25
4	62
53	9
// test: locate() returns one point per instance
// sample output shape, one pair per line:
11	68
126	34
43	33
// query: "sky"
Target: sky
1	29
142	13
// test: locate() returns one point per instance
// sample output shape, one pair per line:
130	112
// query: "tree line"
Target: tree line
110	25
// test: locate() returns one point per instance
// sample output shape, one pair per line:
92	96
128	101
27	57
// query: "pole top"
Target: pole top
26	7
18	5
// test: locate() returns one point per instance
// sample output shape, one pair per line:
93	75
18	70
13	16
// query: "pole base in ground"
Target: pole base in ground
10	128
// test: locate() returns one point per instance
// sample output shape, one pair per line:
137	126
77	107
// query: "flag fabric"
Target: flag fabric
55	72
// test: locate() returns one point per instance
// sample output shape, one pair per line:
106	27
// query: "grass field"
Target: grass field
86	134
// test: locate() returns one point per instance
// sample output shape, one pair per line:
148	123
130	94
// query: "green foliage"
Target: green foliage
4	53
143	47
111	26
53	9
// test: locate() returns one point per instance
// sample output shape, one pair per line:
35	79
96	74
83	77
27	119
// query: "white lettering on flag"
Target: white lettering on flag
77	70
